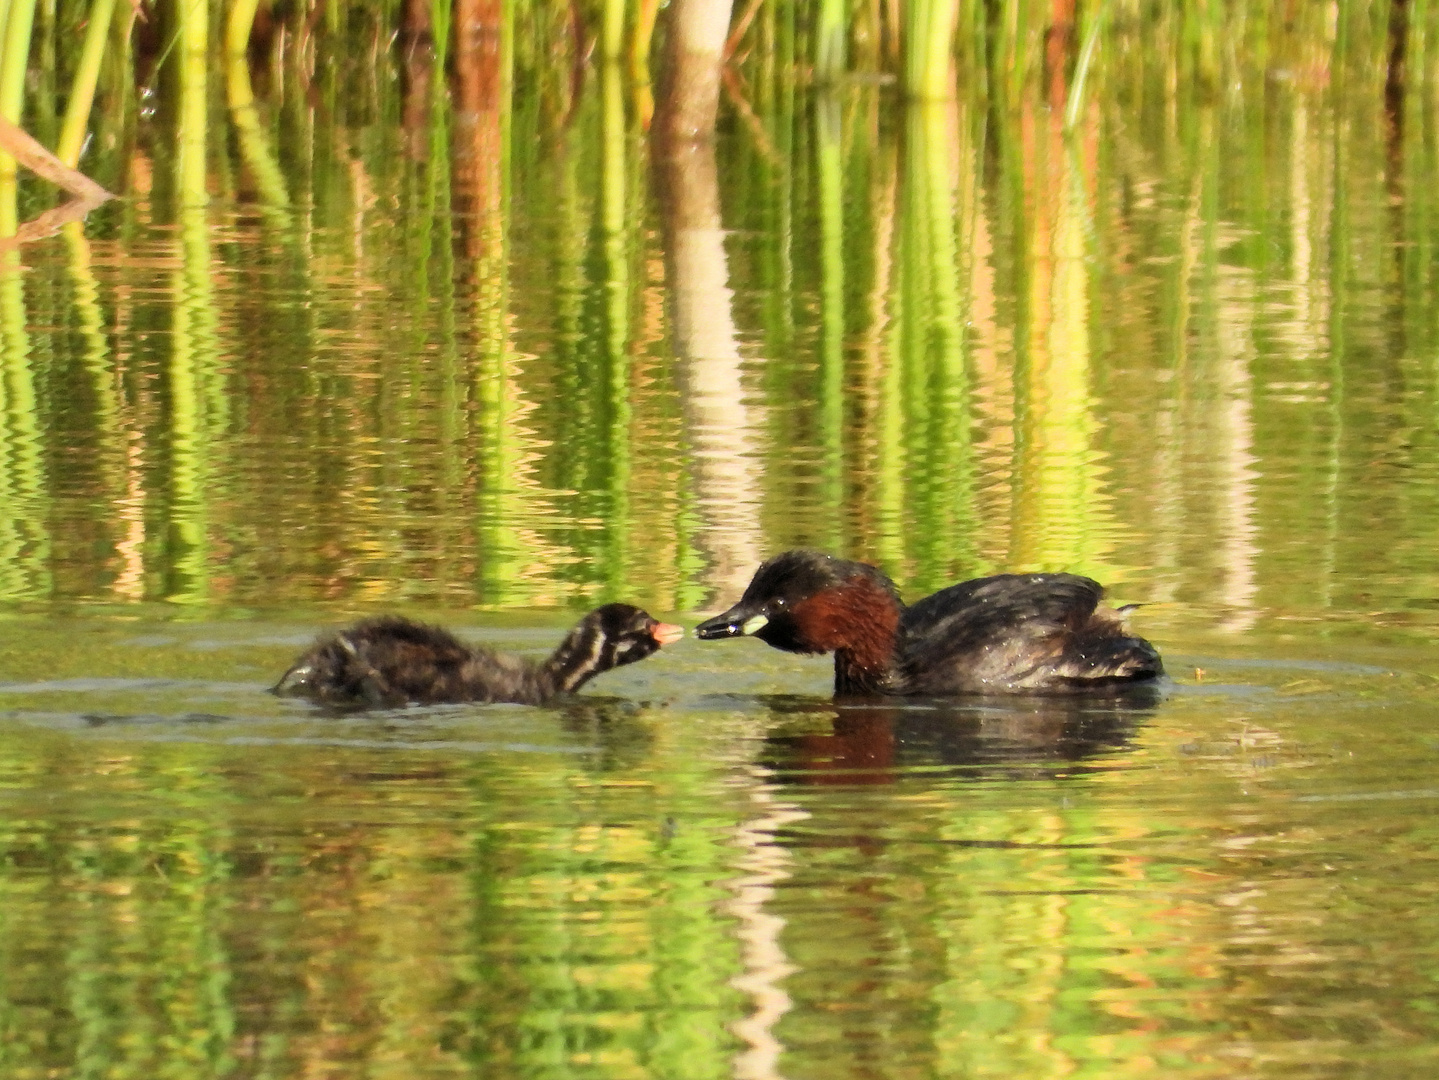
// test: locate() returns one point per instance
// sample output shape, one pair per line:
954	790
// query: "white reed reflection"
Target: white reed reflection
764	863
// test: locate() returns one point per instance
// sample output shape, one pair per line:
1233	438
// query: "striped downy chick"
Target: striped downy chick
390	661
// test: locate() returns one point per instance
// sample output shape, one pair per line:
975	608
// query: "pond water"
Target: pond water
492	362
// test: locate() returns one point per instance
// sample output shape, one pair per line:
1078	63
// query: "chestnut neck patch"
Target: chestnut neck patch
857	621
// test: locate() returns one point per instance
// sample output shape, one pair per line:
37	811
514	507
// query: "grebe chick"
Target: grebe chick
389	660
1006	634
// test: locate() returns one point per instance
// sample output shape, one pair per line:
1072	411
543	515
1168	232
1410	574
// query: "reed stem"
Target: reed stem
929	48
15	58
20	19
194	72
1081	69
831	37
82	89
612	31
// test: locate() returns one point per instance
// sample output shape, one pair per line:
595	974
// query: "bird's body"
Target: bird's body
1005	634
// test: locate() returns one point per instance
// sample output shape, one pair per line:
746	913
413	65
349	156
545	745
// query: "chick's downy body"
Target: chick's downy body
389	660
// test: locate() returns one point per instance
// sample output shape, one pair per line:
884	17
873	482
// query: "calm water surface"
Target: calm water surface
493	363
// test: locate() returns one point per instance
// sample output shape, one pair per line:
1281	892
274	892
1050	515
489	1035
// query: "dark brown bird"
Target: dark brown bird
1007	634
389	660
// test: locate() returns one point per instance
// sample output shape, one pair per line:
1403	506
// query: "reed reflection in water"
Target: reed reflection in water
444	316
907	333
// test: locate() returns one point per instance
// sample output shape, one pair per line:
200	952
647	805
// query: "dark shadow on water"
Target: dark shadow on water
97	720
975	738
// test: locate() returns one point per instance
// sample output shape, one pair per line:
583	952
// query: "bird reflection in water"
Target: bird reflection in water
616	735
976	737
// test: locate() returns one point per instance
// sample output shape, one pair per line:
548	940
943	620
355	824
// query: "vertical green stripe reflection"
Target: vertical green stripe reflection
828	152
24	527
109	409
934	384
147	974
887	535
24	534
577	924
193	339
1057	514
501	501
617	290
437	217
24	531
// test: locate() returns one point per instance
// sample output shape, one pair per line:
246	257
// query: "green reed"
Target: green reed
1002	47
82	86
929	48
19	18
830	40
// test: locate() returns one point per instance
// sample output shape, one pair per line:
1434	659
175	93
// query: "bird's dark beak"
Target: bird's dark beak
736	622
